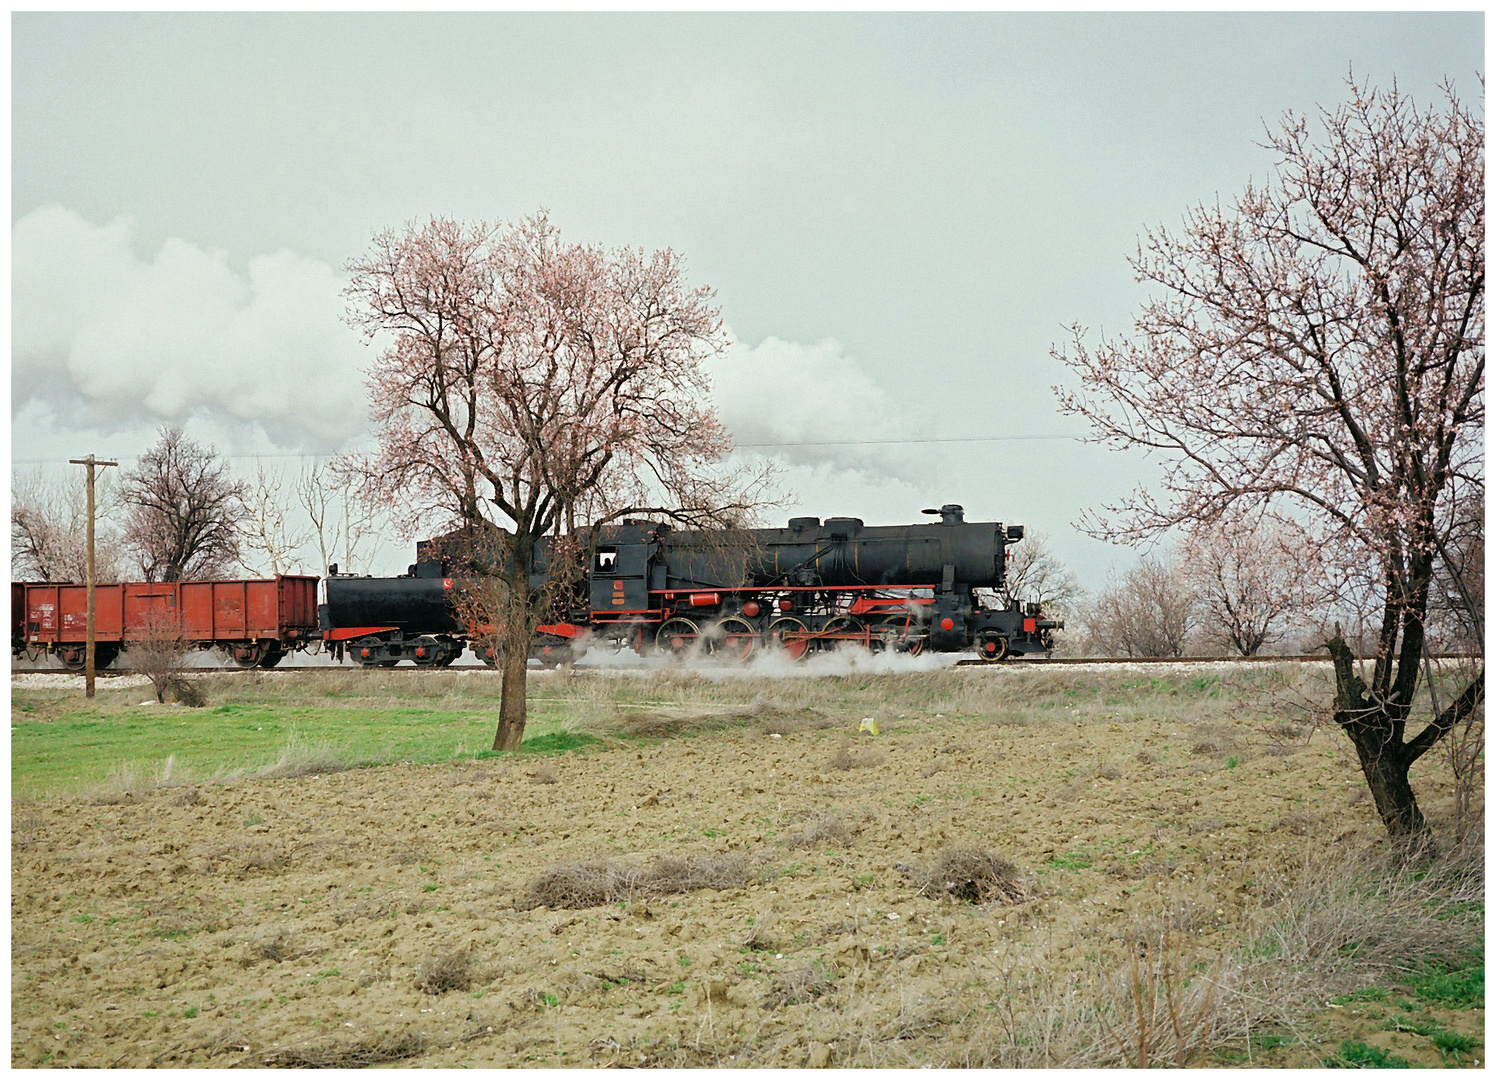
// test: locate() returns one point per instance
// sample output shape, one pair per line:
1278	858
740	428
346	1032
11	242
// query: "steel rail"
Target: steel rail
997	665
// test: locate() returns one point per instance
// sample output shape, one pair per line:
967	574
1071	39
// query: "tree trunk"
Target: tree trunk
1384	758
515	661
1386	771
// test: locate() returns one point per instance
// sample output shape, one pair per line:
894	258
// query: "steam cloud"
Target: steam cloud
112	342
787	394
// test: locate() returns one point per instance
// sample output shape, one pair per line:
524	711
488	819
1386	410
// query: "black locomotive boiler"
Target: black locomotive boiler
810	586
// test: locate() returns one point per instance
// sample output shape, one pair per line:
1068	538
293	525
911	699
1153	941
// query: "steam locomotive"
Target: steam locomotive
639	585
646	586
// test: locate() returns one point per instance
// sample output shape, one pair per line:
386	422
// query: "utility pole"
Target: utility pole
88	650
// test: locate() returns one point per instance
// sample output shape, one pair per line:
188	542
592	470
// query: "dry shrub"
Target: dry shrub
582	885
1298	823
186	692
1158	1012
825	828
342	1055
756	716
675	874
445	972
1214	741
248	857
760	937
971	877
844	760
798	987
781	721
273	945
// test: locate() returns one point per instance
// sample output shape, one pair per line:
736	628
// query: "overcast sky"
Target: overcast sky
900	214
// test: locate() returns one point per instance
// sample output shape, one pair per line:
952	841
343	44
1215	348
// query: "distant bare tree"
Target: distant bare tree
48	530
1252	574
185	510
1150	612
1035	575
267	527
342	521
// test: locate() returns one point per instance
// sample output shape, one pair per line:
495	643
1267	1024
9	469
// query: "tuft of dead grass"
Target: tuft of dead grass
444	972
1214	741
1375	912
346	1055
797	987
844	760
823	829
582	885
970	876
273	945
299	759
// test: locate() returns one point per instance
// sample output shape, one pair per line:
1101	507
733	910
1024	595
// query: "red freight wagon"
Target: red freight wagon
255	622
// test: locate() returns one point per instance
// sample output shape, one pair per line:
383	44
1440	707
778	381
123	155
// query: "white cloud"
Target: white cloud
106	340
794	402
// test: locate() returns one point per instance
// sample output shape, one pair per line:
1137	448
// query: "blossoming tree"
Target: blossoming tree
528	387
1317	349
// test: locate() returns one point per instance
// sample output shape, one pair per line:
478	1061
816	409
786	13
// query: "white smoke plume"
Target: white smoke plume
793	402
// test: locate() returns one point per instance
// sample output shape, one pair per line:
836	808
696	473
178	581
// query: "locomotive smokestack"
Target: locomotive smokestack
950	513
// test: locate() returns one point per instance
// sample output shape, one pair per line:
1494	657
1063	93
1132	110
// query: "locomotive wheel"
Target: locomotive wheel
734	638
488	654
798	645
992	647
677	636
890	632
841	624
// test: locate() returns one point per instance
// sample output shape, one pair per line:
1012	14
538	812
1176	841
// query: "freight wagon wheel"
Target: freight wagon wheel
428	653
841	625
74	659
247	656
789	633
992	647
677	636
734	638
104	655
365	652
273	655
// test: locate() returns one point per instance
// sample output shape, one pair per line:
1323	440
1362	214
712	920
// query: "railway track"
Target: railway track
1077	661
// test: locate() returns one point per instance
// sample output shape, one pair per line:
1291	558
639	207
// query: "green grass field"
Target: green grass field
63	744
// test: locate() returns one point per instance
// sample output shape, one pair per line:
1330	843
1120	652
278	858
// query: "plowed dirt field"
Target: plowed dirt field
400	913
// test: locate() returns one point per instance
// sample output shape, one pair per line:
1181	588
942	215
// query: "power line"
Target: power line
908	442
737	446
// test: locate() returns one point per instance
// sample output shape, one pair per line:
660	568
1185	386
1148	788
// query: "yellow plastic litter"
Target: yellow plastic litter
868	725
